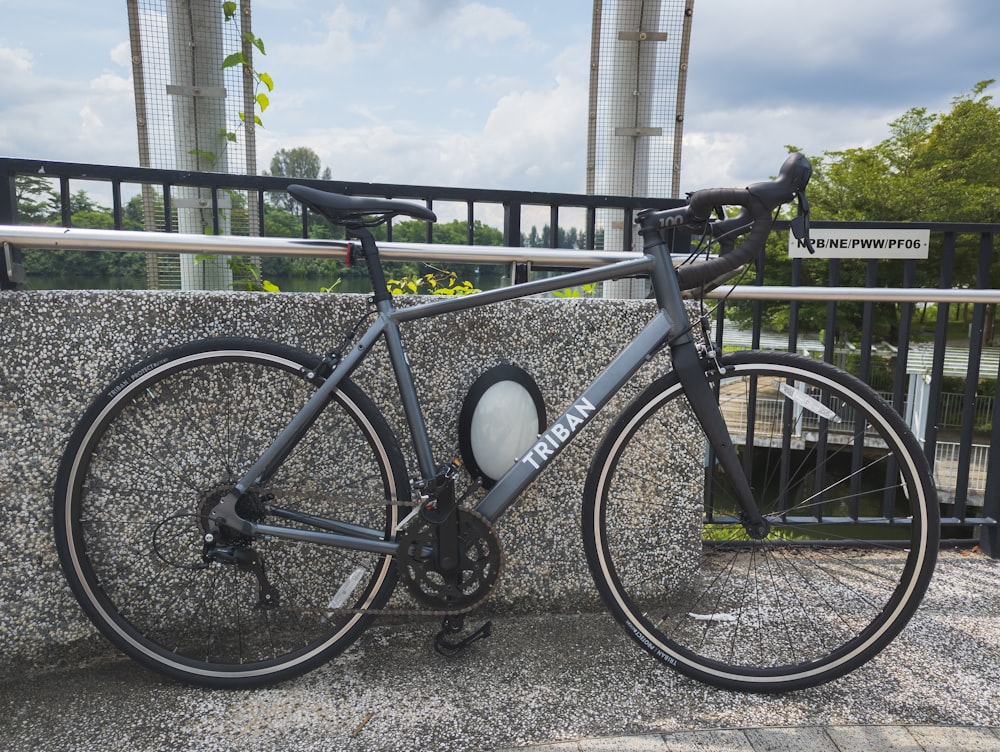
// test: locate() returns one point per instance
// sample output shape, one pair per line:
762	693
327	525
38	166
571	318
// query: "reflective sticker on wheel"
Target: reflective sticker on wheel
812	405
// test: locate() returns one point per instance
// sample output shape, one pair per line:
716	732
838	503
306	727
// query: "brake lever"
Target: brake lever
800	225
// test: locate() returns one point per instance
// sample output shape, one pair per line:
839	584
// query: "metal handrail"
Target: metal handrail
72	238
66	238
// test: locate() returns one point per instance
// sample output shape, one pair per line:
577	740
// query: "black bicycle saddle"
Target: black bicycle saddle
340	208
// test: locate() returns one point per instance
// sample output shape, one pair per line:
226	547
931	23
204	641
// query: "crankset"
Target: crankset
458	589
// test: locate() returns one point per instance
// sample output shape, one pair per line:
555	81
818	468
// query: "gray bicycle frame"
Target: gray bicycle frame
669	324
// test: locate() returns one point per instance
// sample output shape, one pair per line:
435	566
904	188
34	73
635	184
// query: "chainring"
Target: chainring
478	571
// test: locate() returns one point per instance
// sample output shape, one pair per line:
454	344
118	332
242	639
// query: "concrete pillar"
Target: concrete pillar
198	107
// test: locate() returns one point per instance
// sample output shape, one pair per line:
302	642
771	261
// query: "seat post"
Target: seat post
380	288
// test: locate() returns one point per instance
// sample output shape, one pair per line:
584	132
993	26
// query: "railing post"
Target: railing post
989	535
12	273
512	239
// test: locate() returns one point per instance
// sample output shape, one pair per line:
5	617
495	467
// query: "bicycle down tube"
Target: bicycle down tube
387	325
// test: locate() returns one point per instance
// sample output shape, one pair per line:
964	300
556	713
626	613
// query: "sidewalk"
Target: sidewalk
545	682
799	739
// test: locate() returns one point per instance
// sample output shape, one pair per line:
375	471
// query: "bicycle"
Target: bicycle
232	547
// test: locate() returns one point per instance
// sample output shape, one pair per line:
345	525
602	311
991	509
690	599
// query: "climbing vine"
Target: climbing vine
262	80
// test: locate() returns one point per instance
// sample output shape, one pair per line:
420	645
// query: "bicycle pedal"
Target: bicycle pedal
448	648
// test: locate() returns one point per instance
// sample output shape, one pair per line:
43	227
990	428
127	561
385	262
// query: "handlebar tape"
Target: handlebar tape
759	201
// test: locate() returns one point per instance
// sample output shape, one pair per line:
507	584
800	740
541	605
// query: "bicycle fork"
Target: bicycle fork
686	362
699	392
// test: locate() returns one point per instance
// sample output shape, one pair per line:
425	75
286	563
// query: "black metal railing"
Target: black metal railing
971	450
216	188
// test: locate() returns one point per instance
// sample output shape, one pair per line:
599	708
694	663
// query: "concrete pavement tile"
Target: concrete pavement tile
950	738
643	743
868	738
709	740
809	739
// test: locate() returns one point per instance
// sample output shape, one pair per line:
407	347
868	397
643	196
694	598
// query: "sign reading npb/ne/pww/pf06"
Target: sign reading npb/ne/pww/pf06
864	243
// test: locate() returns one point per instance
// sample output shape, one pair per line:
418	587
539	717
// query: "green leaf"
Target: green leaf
263	101
228	135
255	41
243	119
265	79
270	286
206	155
229	10
236	58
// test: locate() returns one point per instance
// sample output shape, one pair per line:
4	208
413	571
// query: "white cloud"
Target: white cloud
81	120
122	54
478	23
89	120
109	82
484	93
342	36
16	59
744	145
515	148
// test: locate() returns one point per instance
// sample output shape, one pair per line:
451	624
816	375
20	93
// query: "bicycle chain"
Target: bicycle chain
290	494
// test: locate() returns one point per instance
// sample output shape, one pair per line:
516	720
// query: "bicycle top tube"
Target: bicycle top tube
670	325
758	201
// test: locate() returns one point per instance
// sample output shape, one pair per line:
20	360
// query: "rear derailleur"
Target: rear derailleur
249	561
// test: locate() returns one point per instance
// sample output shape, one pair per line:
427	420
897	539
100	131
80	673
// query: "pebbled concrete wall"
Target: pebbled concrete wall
59	349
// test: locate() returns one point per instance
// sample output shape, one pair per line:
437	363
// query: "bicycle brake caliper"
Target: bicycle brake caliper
707	347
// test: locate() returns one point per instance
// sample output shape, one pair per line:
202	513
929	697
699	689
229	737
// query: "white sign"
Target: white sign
864	243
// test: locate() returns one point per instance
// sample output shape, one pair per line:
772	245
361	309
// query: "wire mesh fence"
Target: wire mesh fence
636	115
194	113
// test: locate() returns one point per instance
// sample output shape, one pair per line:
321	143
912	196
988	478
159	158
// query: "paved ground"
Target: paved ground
546	682
795	739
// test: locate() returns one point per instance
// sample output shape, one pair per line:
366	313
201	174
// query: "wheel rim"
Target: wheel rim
735	611
205	622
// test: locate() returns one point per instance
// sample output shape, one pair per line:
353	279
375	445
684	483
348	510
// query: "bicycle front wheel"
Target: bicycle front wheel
853	515
155	453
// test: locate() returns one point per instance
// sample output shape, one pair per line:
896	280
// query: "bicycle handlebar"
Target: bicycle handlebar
758	201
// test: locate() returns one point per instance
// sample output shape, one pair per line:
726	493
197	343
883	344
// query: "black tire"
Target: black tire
825	591
152	455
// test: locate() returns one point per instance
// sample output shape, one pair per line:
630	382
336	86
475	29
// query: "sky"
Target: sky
490	94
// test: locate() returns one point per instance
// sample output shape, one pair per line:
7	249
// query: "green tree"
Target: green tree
34	199
571	238
38	203
298	162
932	168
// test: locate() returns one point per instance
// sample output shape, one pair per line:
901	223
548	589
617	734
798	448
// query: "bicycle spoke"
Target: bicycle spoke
138	498
812	598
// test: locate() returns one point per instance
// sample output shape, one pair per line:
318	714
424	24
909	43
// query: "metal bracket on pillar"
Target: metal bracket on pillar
637	132
211	92
642	36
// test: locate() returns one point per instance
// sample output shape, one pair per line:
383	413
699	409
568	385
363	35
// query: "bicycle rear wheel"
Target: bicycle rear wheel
159	448
842	482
